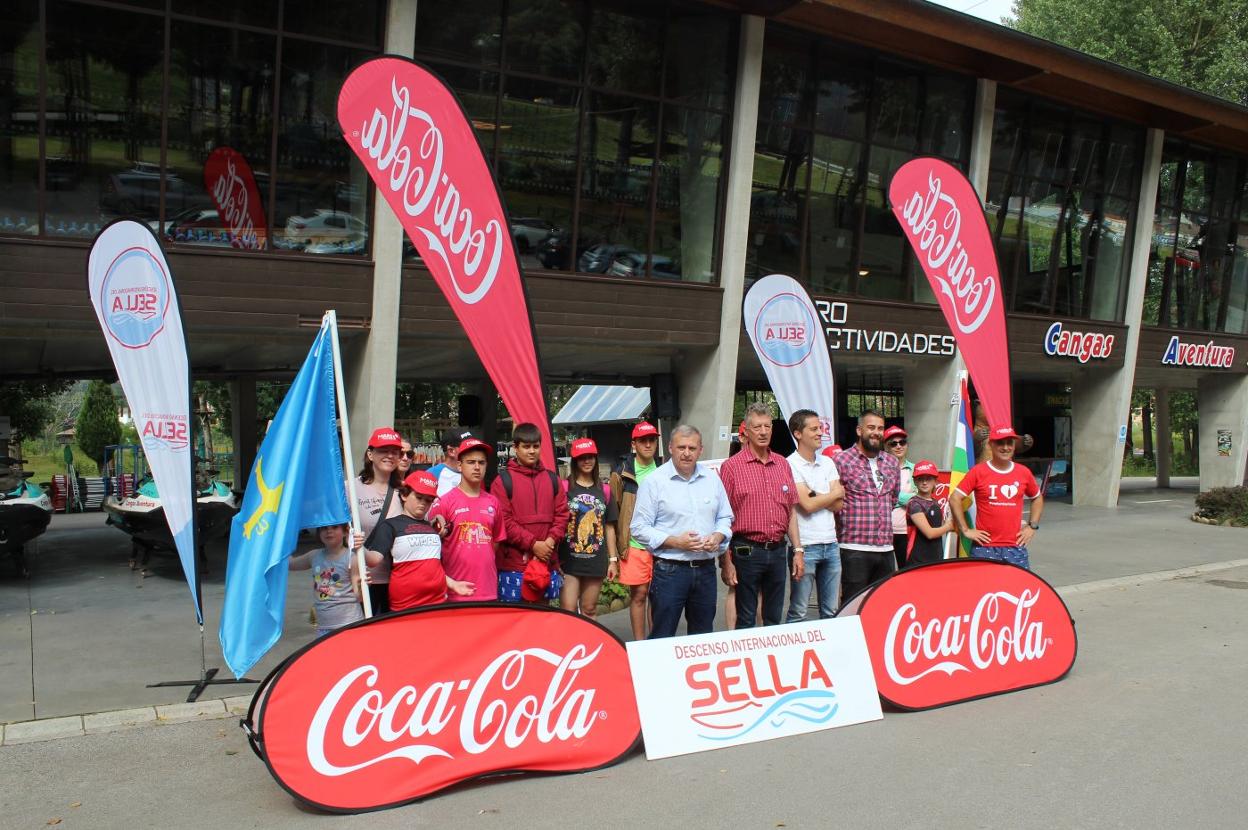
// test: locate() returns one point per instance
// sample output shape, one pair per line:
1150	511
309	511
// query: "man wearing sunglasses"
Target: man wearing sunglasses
898	444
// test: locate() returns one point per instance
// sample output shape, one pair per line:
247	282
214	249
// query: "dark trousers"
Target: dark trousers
379	596
676	589
765	572
860	568
900	542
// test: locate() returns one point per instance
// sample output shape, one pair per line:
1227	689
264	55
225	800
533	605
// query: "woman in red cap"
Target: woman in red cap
376	497
415	549
587	554
897	443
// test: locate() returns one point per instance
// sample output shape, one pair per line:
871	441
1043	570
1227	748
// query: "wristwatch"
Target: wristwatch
802	551
1033	525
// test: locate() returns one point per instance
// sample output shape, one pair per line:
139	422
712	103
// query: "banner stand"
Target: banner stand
207	676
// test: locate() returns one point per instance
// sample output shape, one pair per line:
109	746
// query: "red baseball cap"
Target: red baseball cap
1001	433
384	437
832	450
584	446
644	430
741	429
925	468
894	431
423	483
471	443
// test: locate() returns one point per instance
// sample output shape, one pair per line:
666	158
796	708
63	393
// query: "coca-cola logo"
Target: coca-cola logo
963	629
228	177
358	721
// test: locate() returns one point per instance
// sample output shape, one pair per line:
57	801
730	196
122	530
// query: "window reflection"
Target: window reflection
626	45
615	182
686	211
103	118
358	21
19	125
836	194
460	31
546	37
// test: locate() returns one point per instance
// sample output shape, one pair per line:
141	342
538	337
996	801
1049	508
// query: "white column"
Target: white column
372	364
1100	402
1222	403
708	381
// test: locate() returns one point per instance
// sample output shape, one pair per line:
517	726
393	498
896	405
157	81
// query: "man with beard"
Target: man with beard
872	480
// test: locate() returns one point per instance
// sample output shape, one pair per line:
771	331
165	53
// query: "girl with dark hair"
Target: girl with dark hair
587	553
378	500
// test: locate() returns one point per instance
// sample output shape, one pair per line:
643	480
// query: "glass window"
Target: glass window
321	204
546	37
244	12
19	120
459	31
103	118
359	21
880	272
626	45
700	49
615	183
836	196
687	199
220	95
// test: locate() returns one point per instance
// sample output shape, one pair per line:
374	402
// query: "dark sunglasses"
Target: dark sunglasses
897	442
410	454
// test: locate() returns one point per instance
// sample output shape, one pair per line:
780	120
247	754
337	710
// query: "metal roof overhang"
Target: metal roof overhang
603	405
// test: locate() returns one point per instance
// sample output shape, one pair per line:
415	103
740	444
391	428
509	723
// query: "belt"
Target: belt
692	563
742	540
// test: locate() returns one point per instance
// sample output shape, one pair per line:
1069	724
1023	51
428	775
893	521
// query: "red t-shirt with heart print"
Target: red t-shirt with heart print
999	500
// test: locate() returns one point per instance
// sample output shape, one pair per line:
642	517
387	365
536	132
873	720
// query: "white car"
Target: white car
530	232
324	226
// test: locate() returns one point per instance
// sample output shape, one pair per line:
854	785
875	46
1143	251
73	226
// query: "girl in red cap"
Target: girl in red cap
415	549
587	554
929	519
379	476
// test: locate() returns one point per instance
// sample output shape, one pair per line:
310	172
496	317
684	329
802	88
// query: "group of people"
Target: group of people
823	521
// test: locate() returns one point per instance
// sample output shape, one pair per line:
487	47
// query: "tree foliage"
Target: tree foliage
97	425
1197	43
30	404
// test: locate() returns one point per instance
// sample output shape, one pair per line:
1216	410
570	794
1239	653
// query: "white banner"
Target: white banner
133	296
737	687
791	344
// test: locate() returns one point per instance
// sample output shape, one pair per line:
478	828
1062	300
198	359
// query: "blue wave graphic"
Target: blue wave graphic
793	705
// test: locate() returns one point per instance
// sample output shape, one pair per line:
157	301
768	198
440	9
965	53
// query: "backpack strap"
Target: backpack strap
505	477
554	483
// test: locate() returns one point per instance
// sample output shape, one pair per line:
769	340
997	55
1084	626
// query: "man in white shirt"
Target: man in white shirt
819	494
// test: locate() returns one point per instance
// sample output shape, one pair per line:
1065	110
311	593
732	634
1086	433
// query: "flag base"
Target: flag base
208	678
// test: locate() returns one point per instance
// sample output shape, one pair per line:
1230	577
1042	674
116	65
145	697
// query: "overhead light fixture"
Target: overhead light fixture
862	272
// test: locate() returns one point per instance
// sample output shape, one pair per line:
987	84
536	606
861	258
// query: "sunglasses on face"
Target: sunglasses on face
897	442
409	454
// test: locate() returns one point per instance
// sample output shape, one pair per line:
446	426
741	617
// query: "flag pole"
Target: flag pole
331	319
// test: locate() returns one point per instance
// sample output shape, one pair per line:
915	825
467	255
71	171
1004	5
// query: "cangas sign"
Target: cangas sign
963	629
395	708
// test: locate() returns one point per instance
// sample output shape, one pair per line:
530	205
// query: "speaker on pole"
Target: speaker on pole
469	410
664	396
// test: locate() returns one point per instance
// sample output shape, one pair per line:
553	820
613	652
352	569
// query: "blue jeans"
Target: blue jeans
677	588
763	572
1013	555
823	569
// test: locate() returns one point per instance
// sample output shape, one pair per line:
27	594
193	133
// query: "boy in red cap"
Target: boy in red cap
475	522
999	487
928	520
415	549
535	513
636	564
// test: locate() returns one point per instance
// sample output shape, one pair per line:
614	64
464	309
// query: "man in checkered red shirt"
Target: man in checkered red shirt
872	480
762	494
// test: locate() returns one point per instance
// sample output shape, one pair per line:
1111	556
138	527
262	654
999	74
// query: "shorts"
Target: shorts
509	583
1013	555
638	568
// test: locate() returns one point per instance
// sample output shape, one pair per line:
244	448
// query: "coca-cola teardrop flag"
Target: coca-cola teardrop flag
418	146
230	182
941	215
357	721
963	629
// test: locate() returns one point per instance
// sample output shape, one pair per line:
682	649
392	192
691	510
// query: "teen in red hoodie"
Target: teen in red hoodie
535	514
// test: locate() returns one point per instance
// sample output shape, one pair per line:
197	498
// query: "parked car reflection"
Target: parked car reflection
324	226
530	232
633	264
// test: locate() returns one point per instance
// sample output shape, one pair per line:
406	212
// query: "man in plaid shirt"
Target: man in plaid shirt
872	480
762	493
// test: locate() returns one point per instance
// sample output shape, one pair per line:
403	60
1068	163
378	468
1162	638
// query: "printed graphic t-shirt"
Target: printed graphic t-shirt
999	500
335	600
584	549
468	553
416	550
370	498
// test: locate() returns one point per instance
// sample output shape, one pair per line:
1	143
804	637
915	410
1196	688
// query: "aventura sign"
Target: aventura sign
1206	355
844	336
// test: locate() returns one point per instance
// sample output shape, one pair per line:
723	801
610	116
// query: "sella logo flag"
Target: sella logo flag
229	180
941	216
359	720
791	344
419	148
963	629
735	687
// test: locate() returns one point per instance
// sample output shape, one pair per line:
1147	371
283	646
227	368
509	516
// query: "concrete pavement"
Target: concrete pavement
1147	731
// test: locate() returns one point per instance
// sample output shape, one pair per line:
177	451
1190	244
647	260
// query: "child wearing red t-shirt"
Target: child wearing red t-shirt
413	545
999	487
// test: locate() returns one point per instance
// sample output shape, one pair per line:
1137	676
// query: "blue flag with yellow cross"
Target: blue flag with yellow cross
296	482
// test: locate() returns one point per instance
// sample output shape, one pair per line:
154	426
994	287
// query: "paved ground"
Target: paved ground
1147	731
86	634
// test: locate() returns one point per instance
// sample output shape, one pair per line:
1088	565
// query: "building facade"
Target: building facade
655	158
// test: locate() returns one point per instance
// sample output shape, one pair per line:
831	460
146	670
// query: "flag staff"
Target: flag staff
331	319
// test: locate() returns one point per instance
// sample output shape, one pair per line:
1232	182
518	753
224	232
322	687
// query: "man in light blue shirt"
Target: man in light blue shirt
683	518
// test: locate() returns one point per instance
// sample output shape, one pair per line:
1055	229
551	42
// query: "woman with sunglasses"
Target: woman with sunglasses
898	444
377	497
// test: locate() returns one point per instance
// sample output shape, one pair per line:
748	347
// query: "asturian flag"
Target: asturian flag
963	454
296	483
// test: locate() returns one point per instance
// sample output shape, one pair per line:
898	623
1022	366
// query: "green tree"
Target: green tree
1196	43
97	425
29	405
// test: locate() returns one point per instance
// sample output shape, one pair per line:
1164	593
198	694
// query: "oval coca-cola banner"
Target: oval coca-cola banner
963	629
228	178
942	218
398	707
